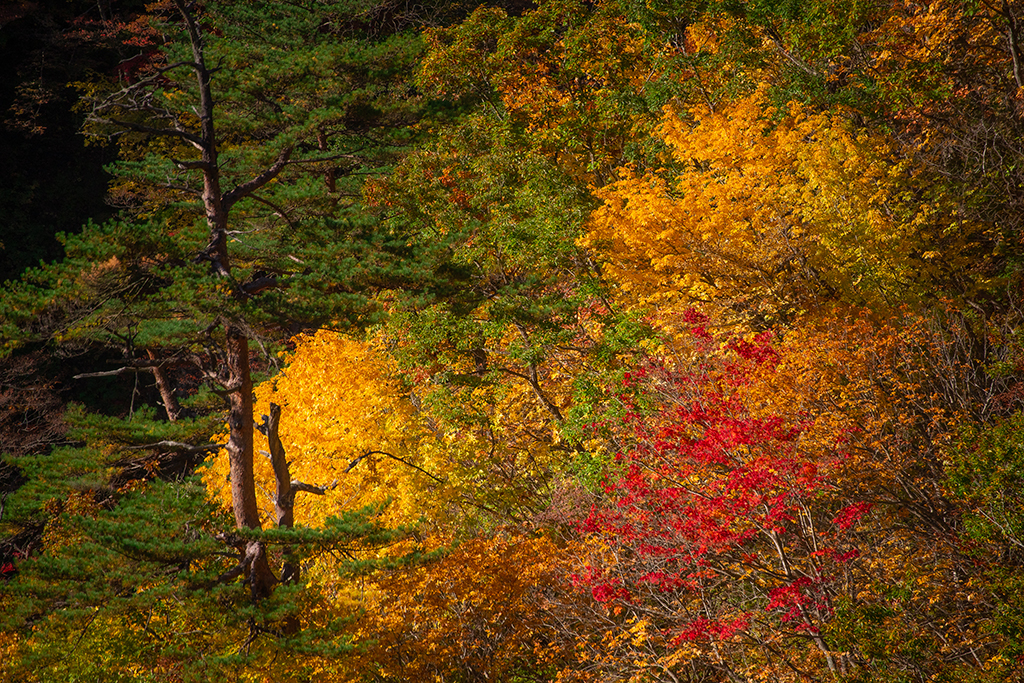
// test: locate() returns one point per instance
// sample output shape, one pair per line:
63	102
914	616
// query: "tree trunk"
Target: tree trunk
284	501
171	404
240	444
238	385
240	457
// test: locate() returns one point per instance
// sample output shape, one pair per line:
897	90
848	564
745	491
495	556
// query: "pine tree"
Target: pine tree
245	134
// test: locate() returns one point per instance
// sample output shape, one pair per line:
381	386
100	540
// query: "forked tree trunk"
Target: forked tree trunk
284	500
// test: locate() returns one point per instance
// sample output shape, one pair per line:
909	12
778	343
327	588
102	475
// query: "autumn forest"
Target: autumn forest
566	341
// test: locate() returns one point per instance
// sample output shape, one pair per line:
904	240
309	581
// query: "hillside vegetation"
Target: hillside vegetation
559	341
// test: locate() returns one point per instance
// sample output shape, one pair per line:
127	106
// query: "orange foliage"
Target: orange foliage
478	613
768	213
564	69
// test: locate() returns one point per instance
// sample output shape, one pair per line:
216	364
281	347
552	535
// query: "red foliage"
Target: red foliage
714	510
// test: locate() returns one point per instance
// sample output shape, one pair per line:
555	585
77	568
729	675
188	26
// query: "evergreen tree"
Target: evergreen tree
245	133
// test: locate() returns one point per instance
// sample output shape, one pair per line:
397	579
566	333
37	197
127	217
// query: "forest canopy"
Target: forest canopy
530	341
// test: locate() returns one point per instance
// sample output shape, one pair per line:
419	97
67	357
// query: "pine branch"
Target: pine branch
247	188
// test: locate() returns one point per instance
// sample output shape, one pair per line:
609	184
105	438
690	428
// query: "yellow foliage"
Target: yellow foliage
769	212
343	419
10	641
347	418
59	531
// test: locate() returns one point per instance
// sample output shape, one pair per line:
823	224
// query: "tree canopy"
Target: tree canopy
549	341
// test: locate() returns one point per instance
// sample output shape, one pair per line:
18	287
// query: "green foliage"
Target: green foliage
581	81
303	76
505	221
985	474
985	470
103	447
811	170
137	586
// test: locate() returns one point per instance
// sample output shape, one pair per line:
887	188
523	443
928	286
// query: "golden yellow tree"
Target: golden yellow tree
345	426
767	213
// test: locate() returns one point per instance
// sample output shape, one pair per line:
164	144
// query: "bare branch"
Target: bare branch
315	490
163	385
367	454
107	373
229	575
143	83
152	130
177	446
258	285
278	211
320	160
190	165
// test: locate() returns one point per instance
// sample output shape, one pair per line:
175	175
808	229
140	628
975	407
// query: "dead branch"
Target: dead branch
177	446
